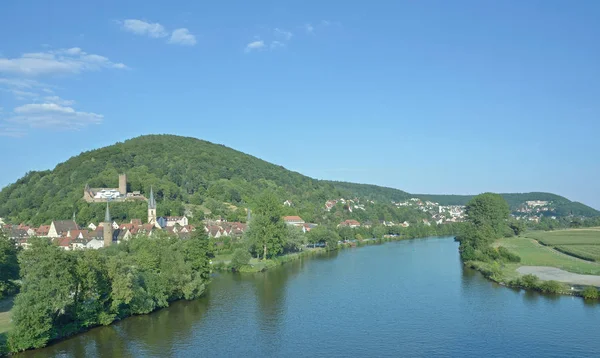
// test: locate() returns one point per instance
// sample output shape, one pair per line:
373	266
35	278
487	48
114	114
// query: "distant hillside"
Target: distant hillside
561	205
190	171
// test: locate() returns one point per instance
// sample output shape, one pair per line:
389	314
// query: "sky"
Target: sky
452	97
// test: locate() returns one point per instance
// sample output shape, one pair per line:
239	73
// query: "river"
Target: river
407	298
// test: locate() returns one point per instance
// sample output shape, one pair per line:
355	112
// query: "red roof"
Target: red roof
292	218
43	230
65	242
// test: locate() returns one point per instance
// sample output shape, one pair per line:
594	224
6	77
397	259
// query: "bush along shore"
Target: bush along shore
488	220
241	261
66	292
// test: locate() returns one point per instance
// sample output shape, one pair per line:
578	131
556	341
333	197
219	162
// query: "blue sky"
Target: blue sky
426	96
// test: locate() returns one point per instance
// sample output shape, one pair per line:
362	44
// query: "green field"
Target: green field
585	252
583	244
566	237
534	254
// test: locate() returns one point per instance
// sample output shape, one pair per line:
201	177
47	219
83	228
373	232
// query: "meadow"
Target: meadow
533	253
583	244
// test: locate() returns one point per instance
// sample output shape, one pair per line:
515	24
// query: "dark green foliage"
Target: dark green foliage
9	265
489	210
528	281
267	232
240	258
551	286
590	293
64	292
324	235
487	221
190	171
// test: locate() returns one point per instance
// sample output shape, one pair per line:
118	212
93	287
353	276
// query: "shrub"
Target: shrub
551	287
507	255
590	293
240	258
529	281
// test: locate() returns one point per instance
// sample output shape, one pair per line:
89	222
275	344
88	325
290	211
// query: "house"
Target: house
307	227
136	222
17	234
330	204
63	242
293	220
92	226
350	223
165	221
95	243
42	231
60	228
288	203
405	224
426	222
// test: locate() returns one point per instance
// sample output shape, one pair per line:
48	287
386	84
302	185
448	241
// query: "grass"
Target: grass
566	237
586	252
534	254
5	322
5	308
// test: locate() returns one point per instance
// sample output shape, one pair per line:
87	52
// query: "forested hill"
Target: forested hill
561	205
181	170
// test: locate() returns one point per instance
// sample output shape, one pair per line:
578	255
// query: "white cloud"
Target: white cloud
255	45
52	115
21	83
286	35
72	60
182	37
11	131
309	28
21	94
276	44
59	101
139	27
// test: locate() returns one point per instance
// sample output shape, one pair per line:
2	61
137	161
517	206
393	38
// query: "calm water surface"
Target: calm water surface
409	298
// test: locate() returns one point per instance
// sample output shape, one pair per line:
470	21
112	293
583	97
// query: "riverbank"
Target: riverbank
222	261
542	268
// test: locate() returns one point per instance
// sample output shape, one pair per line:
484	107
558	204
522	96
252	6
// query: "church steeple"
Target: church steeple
107	218
151	201
151	208
107	227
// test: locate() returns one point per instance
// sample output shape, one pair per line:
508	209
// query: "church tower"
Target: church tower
151	209
107	228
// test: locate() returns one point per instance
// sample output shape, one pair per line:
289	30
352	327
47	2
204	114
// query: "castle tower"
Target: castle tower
123	184
107	228
151	208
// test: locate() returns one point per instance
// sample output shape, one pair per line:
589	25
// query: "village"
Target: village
68	235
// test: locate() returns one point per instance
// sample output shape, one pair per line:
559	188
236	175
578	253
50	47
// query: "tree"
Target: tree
590	293
267	229
9	264
294	239
489	209
323	235
46	297
241	257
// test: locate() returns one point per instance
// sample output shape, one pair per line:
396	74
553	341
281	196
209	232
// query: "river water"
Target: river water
407	298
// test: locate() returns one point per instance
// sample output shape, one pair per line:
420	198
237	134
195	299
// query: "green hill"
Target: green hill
194	172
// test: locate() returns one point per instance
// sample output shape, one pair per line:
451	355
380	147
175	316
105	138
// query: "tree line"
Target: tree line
65	292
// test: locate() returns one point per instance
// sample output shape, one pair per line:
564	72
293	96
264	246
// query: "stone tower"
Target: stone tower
123	184
151	208
107	228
